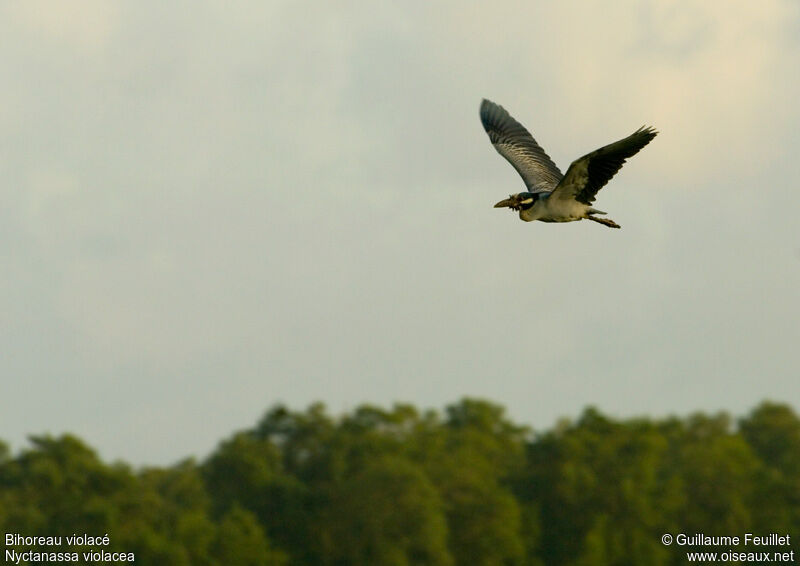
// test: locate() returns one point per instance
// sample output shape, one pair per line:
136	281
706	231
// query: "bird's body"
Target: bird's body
551	196
554	210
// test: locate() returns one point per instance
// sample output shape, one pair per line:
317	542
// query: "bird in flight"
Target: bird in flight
551	196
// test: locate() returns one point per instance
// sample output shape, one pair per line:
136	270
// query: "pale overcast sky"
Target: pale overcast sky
208	208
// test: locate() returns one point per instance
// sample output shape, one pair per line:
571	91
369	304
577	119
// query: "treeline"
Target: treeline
402	487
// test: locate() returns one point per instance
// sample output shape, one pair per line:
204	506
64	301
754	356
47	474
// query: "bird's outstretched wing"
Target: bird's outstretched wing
515	143
588	174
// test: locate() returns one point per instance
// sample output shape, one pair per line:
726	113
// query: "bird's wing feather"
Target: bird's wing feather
515	143
591	172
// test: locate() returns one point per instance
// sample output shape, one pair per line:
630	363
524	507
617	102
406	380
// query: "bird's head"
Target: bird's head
520	201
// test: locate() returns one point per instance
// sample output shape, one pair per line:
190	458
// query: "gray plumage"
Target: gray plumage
551	196
516	144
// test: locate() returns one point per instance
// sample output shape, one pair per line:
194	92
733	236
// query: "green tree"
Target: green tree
247	472
389	513
718	472
602	492
240	541
480	452
398	486
60	486
773	433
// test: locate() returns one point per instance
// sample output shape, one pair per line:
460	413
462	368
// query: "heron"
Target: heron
551	196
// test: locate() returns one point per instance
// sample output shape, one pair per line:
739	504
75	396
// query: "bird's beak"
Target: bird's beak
510	202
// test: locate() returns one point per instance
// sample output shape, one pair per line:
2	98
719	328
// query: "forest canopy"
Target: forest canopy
400	486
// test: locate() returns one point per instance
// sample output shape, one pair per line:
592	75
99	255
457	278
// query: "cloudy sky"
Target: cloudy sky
208	208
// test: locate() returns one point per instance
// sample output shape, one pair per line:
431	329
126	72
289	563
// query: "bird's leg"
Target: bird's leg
604	221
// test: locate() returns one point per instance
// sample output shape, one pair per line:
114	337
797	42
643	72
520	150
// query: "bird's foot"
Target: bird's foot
604	221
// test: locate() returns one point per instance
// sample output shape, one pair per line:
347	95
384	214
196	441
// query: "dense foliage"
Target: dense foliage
403	487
